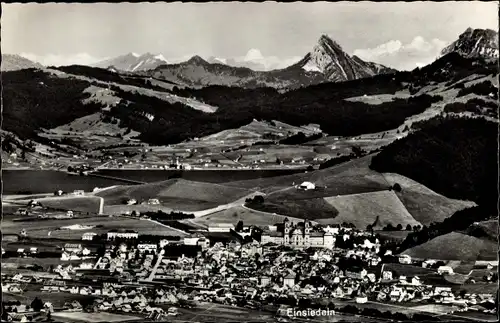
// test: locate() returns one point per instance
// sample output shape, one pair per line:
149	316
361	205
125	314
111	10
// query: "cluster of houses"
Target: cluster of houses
292	261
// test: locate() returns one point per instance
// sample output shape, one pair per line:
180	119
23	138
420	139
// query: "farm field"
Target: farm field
480	288
12	263
394	235
210	312
174	193
101	317
99	225
480	316
84	204
88	204
240	213
272	152
347	178
367	142
425	205
379	98
455	246
376	208
57	299
408	270
311	209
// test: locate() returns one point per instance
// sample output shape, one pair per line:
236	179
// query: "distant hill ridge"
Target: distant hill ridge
14	62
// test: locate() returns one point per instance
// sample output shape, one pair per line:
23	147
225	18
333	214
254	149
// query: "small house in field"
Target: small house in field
306	186
445	270
73	248
404	259
153	202
132	202
361	299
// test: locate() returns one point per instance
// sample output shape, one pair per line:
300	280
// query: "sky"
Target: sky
401	35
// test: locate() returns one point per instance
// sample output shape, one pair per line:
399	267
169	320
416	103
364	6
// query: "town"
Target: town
274	268
250	162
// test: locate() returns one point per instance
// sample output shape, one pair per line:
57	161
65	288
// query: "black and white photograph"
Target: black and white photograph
250	162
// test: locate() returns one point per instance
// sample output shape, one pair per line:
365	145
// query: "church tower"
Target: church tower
286	235
307	233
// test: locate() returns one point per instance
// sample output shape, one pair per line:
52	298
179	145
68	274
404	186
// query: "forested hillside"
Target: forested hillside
32	100
456	157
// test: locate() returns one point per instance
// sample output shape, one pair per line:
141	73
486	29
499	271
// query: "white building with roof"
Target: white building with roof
124	234
221	227
89	236
404	259
445	270
307	186
147	247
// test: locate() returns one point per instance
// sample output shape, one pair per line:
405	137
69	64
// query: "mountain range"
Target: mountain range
327	62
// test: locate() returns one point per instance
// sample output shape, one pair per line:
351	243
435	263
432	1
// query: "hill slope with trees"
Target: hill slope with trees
454	156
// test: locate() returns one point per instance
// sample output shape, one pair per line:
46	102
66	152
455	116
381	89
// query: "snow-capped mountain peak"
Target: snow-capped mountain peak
475	43
134	62
160	57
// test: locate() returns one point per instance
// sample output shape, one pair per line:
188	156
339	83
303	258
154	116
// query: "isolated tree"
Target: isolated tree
259	199
389	227
408	227
239	226
396	187
357	151
399	227
37	304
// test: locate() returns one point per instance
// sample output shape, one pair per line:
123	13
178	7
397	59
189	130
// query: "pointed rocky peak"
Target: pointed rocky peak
329	59
328	42
474	43
197	60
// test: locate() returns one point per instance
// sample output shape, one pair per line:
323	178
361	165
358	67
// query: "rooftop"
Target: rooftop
221	225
